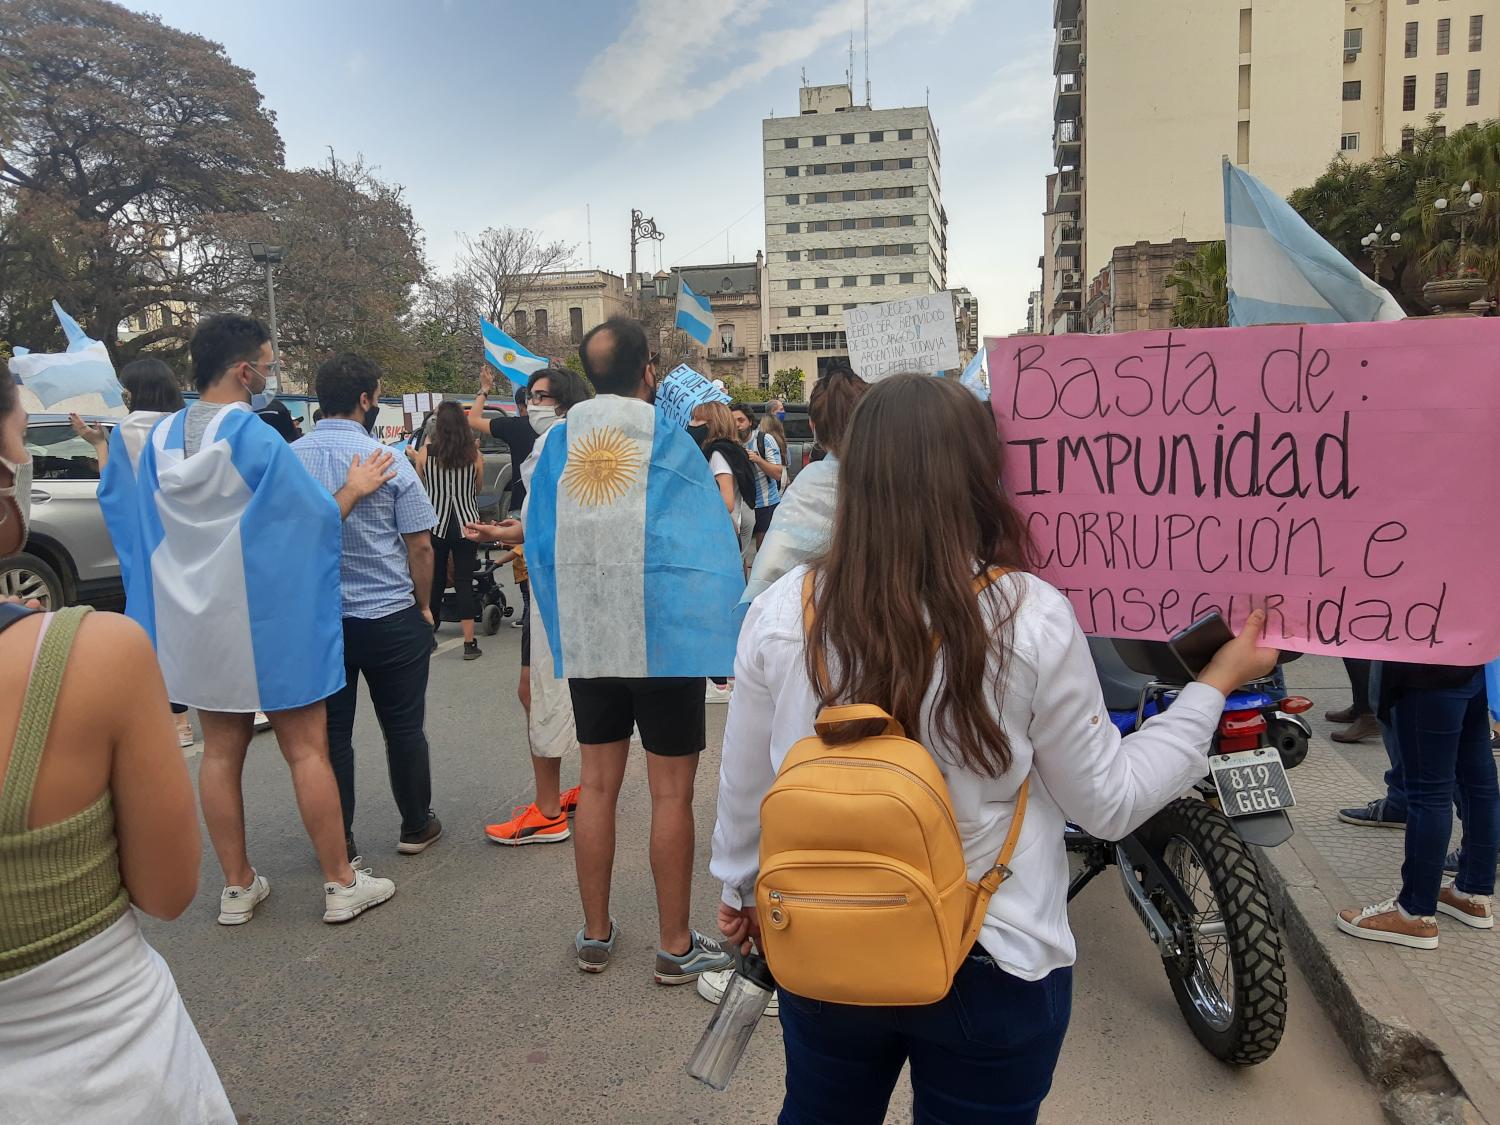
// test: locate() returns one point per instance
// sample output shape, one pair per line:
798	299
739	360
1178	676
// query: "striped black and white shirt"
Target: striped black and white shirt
453	497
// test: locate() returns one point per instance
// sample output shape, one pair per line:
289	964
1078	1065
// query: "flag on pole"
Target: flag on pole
513	361
230	560
694	314
635	566
83	370
1281	271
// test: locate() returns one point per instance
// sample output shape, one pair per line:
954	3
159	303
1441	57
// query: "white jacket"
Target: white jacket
1053	712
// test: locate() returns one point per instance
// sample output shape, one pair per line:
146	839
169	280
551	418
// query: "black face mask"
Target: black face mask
372	415
698	433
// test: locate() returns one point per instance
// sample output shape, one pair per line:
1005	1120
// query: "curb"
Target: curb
1367	1000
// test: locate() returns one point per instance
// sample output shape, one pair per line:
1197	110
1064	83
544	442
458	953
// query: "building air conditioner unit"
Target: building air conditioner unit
1351	56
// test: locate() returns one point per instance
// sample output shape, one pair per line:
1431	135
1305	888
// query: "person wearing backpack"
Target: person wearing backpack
913	903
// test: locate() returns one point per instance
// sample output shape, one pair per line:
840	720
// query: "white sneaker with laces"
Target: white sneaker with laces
717	693
344	904
712	984
237	904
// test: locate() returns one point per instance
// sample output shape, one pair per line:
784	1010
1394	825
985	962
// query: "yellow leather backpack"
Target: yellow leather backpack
863	894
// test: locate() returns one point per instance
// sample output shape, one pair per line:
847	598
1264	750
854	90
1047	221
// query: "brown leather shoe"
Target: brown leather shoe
1471	910
1360	729
1342	716
1385	922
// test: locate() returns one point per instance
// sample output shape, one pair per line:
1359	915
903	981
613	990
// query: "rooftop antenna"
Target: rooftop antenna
867	54
804	76
849	74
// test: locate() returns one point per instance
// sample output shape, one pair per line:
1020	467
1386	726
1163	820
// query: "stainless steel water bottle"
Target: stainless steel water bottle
728	1033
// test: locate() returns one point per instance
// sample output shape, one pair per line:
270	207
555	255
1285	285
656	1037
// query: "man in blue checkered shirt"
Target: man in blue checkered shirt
386	579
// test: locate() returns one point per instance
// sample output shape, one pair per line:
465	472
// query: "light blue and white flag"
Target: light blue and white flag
1281	271
230	559
635	565
974	376
694	314
81	379
512	360
683	391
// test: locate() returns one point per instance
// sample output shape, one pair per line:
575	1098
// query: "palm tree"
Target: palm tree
1201	285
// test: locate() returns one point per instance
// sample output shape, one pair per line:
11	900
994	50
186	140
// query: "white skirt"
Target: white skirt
550	729
99	1035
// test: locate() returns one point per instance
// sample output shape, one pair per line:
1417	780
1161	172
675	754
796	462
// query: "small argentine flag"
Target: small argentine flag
694	314
1281	271
512	360
78	379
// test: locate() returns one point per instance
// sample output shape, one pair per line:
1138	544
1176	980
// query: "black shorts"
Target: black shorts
668	711
526	641
763	518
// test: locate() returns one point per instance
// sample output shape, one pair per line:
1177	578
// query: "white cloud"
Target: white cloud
677	58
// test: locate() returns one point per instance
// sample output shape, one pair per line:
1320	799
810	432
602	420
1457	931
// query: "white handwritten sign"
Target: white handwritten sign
912	334
684	389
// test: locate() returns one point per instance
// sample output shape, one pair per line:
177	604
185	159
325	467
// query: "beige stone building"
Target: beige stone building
1130	294
854	216
966	313
562	306
736	351
1144	110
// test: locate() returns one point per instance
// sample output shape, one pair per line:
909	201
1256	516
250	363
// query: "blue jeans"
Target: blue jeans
985	1052
1395	776
1444	737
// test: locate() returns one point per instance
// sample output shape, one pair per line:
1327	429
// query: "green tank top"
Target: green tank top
59	884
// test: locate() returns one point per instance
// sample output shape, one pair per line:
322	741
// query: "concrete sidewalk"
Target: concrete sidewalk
1424	1025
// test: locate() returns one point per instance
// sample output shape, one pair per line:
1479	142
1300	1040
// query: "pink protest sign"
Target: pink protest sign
1346	477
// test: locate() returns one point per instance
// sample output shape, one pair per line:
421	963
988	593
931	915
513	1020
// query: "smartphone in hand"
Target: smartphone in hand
1196	645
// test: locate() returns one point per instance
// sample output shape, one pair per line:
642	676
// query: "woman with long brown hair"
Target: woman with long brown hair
997	685
730	465
452	468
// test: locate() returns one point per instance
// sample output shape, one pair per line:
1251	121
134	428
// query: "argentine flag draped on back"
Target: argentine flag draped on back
231	562
634	564
1281	271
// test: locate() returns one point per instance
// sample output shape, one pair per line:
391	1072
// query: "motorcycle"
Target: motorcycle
1188	871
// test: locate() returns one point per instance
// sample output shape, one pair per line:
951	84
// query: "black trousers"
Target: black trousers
1359	685
393	654
465	562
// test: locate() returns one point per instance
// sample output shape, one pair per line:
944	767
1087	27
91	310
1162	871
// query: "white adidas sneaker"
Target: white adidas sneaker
344	904
237	904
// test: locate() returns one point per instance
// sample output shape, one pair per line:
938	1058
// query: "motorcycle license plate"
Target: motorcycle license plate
1251	782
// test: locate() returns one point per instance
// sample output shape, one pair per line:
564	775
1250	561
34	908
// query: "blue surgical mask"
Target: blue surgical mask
269	390
781	415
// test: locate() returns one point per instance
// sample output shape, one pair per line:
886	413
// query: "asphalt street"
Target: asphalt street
458	1000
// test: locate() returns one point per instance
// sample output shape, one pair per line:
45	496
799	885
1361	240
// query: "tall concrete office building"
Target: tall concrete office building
1145	108
854	216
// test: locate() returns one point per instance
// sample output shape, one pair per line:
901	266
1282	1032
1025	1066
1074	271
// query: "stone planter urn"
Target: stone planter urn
1454	294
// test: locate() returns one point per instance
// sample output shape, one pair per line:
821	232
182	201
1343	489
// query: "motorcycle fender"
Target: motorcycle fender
1265	830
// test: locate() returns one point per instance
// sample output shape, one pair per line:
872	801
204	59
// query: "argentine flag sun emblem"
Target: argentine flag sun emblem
601	467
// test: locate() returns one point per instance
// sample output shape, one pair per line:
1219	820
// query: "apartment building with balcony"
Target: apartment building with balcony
1144	110
736	350
854	216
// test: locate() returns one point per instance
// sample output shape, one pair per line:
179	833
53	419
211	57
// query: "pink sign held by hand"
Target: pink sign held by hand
1344	476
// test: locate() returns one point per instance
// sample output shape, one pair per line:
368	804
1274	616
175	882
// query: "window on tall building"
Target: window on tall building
790	142
848	307
1440	90
794	228
575	324
846	139
540	319
849	224
908	220
142	321
820	255
820	197
820	310
877	193
1411	39
908	162
794	283
791	170
820	169
877	279
519	319
878	136
820	283
792	198
908	278
1409	93
850	281
1352	91
1354	38
794	255
877	165
850	166
820	142
1476	33
1444	36
903	134
1473	98
1408	139
726	338
794	310
1349	142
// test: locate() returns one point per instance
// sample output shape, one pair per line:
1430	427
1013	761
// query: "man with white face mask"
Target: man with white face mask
515	431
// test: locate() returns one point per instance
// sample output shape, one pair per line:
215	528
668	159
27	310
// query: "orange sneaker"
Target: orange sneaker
569	801
529	826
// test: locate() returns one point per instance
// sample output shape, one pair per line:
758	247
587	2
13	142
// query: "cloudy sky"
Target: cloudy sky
539	113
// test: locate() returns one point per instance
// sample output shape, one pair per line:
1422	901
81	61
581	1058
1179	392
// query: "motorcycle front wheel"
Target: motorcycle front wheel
1230	982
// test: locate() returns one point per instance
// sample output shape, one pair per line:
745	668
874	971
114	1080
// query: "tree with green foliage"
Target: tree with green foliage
1201	287
788	383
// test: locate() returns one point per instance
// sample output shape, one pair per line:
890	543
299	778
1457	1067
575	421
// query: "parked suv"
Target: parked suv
69	556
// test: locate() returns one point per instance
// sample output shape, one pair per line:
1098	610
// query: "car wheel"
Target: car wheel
30	579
